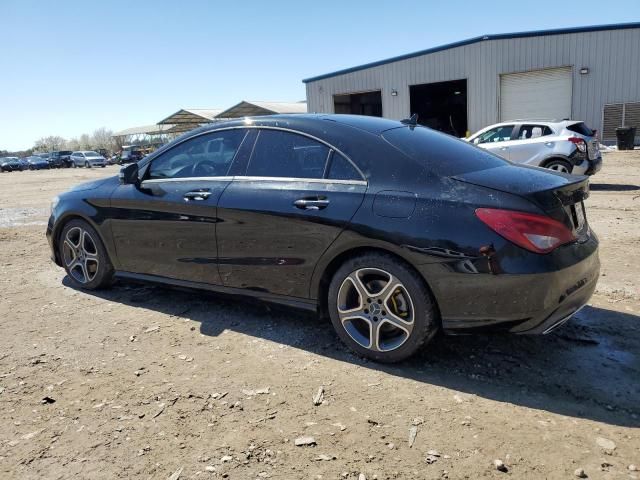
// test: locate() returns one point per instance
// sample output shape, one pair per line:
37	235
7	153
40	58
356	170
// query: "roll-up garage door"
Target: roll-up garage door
540	94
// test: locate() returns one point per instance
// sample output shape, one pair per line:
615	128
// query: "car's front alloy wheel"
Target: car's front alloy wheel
381	308
84	256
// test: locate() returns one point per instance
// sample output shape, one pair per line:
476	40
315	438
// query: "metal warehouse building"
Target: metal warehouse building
589	73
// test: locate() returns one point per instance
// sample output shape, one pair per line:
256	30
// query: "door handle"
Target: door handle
199	195
504	148
311	203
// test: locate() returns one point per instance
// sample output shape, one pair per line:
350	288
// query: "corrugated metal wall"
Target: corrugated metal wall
612	56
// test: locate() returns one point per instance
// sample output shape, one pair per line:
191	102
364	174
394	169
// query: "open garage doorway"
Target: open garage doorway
367	103
441	106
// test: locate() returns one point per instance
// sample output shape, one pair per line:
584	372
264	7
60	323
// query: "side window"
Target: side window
342	169
283	154
498	134
533	131
208	155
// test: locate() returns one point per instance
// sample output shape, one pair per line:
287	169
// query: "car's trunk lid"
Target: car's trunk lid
559	196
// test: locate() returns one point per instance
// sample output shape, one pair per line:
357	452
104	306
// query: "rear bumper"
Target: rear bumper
517	303
594	166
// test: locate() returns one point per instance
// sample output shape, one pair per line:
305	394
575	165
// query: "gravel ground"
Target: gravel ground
146	382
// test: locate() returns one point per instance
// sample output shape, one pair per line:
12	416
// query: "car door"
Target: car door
165	226
532	143
496	140
275	221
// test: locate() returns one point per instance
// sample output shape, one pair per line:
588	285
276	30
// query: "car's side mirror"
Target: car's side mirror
129	174
476	140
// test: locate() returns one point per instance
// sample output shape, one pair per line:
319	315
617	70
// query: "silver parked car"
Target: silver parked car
87	158
567	146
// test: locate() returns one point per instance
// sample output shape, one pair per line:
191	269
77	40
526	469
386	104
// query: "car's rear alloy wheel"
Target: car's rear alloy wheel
84	257
87	165
381	308
560	166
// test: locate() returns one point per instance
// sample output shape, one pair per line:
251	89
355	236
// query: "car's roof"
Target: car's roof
375	125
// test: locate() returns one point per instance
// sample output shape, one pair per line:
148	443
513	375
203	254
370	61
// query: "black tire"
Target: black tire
559	165
425	322
104	272
87	165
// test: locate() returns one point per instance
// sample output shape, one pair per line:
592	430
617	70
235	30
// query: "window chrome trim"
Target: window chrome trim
186	179
296	179
268	127
255	179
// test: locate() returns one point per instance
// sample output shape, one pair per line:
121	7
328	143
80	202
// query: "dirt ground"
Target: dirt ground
147	382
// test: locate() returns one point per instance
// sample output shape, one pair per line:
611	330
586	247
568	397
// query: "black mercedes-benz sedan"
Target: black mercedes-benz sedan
392	230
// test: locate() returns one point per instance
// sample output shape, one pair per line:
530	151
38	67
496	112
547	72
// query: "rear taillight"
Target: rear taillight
579	143
536	233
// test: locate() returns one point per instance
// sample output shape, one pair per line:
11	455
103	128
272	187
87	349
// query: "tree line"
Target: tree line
100	138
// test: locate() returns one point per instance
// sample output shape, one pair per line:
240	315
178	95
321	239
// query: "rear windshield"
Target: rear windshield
582	129
65	152
442	154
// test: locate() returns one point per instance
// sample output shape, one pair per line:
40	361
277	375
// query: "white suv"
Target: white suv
568	146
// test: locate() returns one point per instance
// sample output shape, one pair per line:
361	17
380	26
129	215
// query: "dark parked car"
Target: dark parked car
11	164
24	163
60	159
37	163
395	231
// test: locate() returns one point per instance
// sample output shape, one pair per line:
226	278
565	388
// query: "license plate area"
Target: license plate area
593	149
579	217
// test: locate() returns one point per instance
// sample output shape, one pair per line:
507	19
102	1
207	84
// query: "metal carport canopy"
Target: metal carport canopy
191	116
144	130
251	109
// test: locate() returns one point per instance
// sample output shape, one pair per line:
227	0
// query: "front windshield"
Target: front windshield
91	154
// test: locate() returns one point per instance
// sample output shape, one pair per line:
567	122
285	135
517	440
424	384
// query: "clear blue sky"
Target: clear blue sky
71	66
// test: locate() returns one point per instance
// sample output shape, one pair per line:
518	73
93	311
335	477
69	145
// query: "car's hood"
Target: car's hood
93	184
